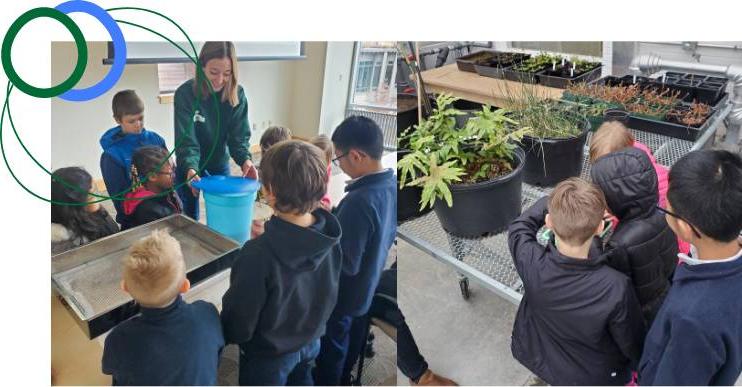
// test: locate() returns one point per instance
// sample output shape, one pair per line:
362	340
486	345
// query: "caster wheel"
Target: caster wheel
464	286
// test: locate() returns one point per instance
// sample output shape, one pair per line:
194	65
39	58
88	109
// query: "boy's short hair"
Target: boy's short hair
325	145
154	269
273	136
705	189
126	102
610	137
296	173
576	208
361	133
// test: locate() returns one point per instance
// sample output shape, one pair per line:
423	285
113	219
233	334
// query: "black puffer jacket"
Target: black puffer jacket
643	246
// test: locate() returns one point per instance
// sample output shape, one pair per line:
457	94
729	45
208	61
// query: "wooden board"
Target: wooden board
474	87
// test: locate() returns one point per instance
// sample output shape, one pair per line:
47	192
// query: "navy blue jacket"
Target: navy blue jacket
115	162
368	217
696	338
176	345
283	286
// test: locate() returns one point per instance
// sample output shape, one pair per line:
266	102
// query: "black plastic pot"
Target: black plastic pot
482	208
619	115
408	199
549	161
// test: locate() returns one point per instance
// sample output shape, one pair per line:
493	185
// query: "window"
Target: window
374	72
172	75
577	48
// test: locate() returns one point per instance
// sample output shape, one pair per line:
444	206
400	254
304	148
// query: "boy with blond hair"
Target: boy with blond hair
579	321
170	342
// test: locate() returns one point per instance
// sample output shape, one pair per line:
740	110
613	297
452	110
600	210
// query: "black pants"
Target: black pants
409	360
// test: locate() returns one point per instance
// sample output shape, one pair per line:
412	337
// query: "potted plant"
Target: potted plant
555	142
470	176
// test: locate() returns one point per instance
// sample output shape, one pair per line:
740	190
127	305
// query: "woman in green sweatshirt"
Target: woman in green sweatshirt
208	129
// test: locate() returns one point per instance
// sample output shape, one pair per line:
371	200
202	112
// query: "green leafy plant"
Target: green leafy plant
442	155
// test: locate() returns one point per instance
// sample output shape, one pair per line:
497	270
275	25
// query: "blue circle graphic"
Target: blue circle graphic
119	50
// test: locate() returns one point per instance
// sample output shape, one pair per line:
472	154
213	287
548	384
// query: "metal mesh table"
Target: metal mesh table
487	259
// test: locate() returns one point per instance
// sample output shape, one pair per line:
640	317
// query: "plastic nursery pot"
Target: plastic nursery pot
486	207
551	160
408	199
619	115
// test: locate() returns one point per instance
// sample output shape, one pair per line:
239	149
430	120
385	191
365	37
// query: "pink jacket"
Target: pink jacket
662	180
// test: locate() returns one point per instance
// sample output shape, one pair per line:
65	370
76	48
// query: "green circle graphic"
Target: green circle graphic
82	53
119	195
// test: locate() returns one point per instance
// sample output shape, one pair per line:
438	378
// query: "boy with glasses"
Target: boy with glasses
696	338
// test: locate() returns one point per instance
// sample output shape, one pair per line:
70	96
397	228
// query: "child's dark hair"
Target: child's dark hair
273	136
146	160
296	173
705	189
361	133
126	102
76	217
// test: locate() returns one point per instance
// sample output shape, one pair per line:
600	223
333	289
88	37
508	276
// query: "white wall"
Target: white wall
288	93
338	68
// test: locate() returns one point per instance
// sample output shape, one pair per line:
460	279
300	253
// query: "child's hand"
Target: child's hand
249	170
192	174
257	229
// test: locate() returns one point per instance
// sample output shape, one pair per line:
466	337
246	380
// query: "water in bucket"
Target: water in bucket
229	204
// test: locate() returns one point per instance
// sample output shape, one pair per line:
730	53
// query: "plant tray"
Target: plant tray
671	129
467	62
519	76
88	277
495	67
562	83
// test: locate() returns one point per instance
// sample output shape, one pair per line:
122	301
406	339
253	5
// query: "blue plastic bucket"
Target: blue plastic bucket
229	204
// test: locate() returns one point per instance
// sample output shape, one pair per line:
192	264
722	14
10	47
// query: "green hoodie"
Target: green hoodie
196	130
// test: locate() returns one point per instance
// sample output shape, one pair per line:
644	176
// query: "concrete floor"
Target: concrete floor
465	340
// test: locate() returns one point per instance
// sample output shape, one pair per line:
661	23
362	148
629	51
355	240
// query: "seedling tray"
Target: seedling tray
494	68
546	79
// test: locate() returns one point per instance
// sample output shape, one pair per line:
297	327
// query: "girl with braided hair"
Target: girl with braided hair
152	174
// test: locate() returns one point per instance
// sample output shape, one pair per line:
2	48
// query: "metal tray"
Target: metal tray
88	277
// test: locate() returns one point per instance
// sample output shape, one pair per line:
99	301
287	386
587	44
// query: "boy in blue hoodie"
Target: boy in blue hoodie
696	338
284	283
119	144
368	217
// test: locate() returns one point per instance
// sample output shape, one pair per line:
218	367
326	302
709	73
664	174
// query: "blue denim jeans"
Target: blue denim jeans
190	202
290	369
